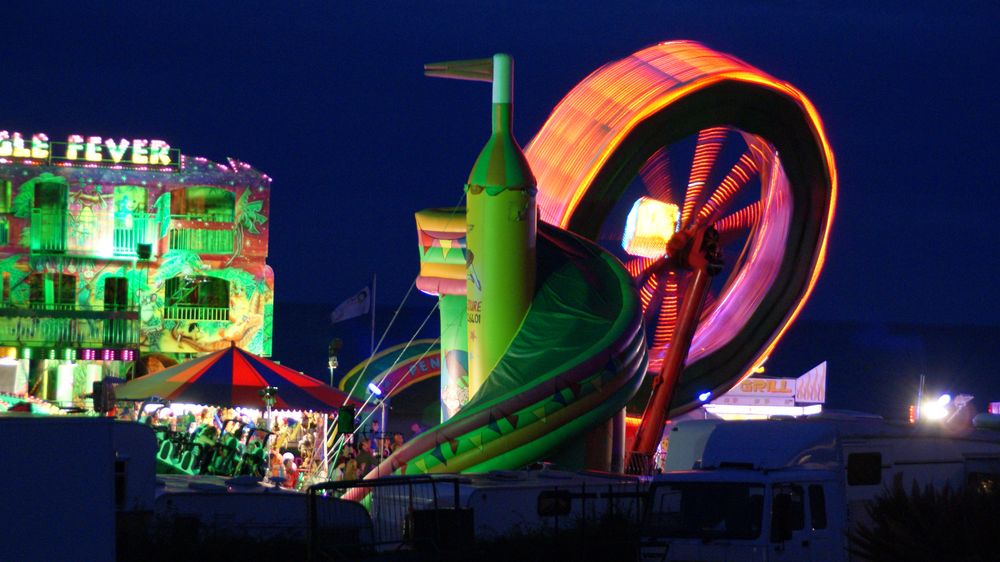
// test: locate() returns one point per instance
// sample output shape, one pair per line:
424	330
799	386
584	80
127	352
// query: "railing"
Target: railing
60	306
91	232
202	240
584	517
48	231
116	331
406	513
127	238
195	313
207	216
73	306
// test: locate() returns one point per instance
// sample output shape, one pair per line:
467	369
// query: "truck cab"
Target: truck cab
736	513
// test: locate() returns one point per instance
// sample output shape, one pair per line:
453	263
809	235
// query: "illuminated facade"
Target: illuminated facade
114	250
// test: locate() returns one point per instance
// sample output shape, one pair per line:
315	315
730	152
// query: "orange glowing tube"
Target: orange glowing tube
705	153
733	182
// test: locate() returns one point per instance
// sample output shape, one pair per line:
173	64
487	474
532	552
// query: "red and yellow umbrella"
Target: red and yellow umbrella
234	377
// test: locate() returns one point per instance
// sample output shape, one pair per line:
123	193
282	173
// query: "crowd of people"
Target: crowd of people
294	444
365	450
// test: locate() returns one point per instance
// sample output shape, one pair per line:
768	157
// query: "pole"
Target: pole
332	364
374	287
382	424
380	441
267	415
920	398
326	461
651	427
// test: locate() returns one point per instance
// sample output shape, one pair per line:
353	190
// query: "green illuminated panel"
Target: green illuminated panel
267	329
195	313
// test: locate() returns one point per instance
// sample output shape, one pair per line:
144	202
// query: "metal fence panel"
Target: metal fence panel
400	513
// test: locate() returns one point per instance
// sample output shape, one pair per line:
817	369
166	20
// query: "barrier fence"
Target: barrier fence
404	513
435	517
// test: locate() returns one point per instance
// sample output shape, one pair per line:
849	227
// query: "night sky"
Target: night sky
328	98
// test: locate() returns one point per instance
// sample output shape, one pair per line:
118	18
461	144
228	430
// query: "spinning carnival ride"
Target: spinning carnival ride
626	119
720	253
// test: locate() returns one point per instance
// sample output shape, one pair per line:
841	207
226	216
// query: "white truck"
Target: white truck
784	490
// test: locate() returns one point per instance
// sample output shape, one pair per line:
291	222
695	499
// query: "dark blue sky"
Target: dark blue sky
328	98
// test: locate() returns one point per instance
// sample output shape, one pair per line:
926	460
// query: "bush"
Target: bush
929	524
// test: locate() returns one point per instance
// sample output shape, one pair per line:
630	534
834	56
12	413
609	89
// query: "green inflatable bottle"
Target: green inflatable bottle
501	219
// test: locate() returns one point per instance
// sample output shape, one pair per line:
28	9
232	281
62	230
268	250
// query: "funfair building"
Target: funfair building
118	253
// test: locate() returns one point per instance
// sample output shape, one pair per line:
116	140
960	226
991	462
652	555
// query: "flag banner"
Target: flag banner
355	306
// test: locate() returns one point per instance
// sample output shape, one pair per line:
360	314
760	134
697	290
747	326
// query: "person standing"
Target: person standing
374	435
291	471
351	471
366	460
397	442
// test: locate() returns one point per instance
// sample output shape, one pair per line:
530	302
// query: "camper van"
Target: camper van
783	490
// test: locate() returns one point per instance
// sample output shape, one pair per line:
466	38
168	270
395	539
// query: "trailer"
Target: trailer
74	477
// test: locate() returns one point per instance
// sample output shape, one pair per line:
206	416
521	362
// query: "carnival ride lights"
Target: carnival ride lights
649	226
623	120
579	353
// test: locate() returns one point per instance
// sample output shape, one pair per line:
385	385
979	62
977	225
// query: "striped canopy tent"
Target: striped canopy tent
234	378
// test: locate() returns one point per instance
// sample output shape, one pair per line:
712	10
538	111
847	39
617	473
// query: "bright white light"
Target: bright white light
746	410
944	399
649	226
812	409
374	389
704	396
150	408
934	410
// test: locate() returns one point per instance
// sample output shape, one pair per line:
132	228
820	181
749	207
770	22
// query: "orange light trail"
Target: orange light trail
656	175
706	151
734	181
742	219
647	291
638	265
664	330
